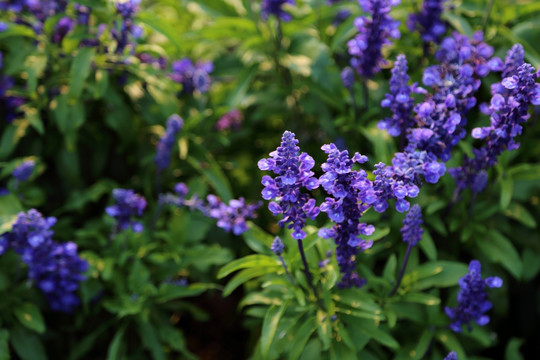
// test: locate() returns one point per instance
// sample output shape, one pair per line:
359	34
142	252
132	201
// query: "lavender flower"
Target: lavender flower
293	170
64	26
351	194
24	170
3	26
399	100
231	120
165	144
347	77
192	76
54	268
9	105
124	31
472	298
373	34
411	230
275	7
127	205
277	246
428	21
452	355
83	14
231	217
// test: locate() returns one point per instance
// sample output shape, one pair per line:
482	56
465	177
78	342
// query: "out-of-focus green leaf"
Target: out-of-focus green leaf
150	340
458	23
162	27
9	208
27	344
257	239
423	344
247	262
17	30
207	165
174	338
499	249
451	343
428	246
512	349
30	316
4	346
269	327
246	275
521	214
301	337
421	298
34	65
435	274
507	188
80	69
168	292
113	352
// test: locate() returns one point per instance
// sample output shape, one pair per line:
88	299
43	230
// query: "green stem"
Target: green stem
402	271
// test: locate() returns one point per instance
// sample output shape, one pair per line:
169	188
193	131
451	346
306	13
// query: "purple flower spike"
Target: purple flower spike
62	28
293	170
24	170
399	100
373	33
349	192
428	21
277	246
472	298
411	230
192	76
275	7
166	143
127	205
231	217
452	355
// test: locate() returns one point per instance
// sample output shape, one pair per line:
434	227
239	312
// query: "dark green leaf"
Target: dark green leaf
9	208
80	69
501	250
30	316
4	346
27	344
150	340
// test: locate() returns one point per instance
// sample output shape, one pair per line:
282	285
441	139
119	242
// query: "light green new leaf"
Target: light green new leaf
247	262
80	69
270	324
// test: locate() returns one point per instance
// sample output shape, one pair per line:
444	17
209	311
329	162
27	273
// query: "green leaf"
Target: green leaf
378	234
521	214
17	30
499	249
34	65
301	337
169	292
150	340
435	274
11	136
451	343
33	118
30	316
246	275
27	344
257	239
9	208
207	165
421	298
113	353
428	246
512	349
138	277
80	70
4	346
458	23
507	189
239	93
423	344
247	262
269	327
390	267
174	338
162	27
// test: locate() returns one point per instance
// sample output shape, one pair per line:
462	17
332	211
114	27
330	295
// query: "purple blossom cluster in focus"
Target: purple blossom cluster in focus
350	195
428	21
293	174
373	33
128	205
166	142
275	7
472	298
55	268
192	76
508	109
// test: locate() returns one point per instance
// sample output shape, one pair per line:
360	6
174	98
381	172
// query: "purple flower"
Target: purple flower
452	355
230	217
411	230
293	170
127	205
56	269
62	27
277	246
472	298
347	77
124	30
166	143
275	7
192	76
24	170
231	120
83	14
350	195
428	21
399	100
3	26
373	33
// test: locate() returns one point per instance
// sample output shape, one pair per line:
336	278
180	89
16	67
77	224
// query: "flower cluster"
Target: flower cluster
127	205
24	170
231	120
232	216
373	33
351	194
508	109
192	76
277	246
55	268
452	355
399	100
428	21
441	118
293	170
41	10
124	31
275	7
9	104
62	28
166	142
472	298
411	230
